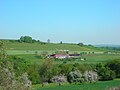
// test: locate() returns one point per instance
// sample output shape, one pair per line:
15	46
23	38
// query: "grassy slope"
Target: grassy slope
37	46
97	86
25	48
30	48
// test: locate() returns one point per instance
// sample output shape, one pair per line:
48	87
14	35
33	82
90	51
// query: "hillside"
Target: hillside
48	46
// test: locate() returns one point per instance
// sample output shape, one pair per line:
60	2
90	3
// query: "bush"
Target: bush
105	73
9	80
58	79
33	73
90	76
78	77
65	68
75	77
114	66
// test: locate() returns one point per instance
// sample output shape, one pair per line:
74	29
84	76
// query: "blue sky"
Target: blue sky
71	21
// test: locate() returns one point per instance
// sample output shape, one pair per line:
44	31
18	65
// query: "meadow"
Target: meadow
90	58
92	55
101	85
28	51
48	46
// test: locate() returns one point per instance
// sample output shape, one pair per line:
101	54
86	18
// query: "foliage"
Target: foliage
105	73
33	73
26	39
83	67
61	42
3	54
20	65
80	44
48	41
8	78
75	76
114	66
45	71
65	68
90	76
58	79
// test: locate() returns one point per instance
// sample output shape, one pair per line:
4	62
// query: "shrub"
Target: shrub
75	76
106	74
90	76
58	79
114	66
9	81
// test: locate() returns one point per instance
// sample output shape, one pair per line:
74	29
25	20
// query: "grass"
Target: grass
48	47
90	58
27	52
101	85
95	58
19	52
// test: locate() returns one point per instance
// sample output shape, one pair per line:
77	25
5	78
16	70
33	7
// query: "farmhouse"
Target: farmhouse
63	56
74	55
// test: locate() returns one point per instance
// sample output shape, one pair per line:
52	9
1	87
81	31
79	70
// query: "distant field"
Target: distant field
18	52
48	47
27	51
95	58
90	58
97	86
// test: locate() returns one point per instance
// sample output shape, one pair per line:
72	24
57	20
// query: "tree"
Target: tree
33	41
26	39
45	71
80	44
48	41
33	73
114	66
22	39
65	68
104	72
61	42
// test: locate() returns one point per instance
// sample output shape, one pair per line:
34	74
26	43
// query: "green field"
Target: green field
97	86
48	47
27	52
90	58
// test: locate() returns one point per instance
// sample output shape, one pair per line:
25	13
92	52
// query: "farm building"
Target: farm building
63	56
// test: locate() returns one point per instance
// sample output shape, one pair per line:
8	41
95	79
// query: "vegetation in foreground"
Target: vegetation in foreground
50	72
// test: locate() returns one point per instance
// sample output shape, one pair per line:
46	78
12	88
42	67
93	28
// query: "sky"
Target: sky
69	21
